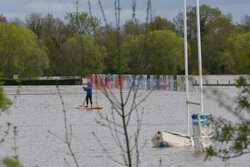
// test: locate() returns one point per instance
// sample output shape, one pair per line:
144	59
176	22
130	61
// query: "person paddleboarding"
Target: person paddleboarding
88	89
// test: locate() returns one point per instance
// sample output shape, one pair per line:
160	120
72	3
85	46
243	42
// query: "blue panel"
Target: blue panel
163	145
204	116
148	81
158	83
203	123
194	116
195	123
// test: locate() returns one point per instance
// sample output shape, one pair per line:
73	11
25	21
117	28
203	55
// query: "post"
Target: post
201	131
186	64
199	52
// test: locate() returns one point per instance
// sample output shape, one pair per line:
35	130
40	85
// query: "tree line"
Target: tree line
80	45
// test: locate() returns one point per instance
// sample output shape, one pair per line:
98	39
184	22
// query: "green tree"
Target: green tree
128	62
35	63
232	139
132	27
163	54
210	25
108	39
160	23
166	53
17	47
81	23
237	55
215	45
81	56
53	35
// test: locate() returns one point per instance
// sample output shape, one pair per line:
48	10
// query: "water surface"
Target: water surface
38	109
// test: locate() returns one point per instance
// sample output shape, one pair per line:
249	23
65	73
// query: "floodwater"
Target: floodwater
38	109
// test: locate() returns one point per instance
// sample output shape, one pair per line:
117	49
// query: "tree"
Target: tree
124	106
236	57
245	22
82	56
160	23
81	23
53	35
34	23
52	28
207	14
179	26
232	139
108	41
166	53
212	22
132	27
35	63
215	45
131	55
18	22
3	19
17	47
163	55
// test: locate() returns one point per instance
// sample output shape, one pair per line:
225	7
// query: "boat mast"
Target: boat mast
186	64
199	53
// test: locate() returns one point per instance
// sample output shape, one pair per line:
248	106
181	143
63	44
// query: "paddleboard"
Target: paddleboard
87	108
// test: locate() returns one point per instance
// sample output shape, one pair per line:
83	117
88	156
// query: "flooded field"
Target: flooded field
38	109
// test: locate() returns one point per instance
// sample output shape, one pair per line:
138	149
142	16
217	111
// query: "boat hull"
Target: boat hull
171	139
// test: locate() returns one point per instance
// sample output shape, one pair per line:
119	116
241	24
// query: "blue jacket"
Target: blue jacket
88	89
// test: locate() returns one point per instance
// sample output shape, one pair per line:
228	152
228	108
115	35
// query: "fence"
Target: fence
158	82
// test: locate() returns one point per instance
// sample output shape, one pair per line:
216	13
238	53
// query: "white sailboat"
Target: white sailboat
201	128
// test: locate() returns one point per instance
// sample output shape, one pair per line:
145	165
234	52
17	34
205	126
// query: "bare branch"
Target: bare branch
118	142
105	150
226	101
107	125
119	108
66	161
6	132
133	10
108	120
59	138
14	99
103	14
67	140
233	156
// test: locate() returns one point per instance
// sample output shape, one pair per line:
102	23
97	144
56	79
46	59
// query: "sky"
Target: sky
165	8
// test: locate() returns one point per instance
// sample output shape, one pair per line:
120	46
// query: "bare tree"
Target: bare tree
34	23
18	22
124	105
68	132
245	22
3	19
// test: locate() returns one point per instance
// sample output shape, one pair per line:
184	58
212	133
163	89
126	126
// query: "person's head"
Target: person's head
88	83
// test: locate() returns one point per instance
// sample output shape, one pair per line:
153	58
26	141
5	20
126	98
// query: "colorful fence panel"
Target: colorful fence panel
149	82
